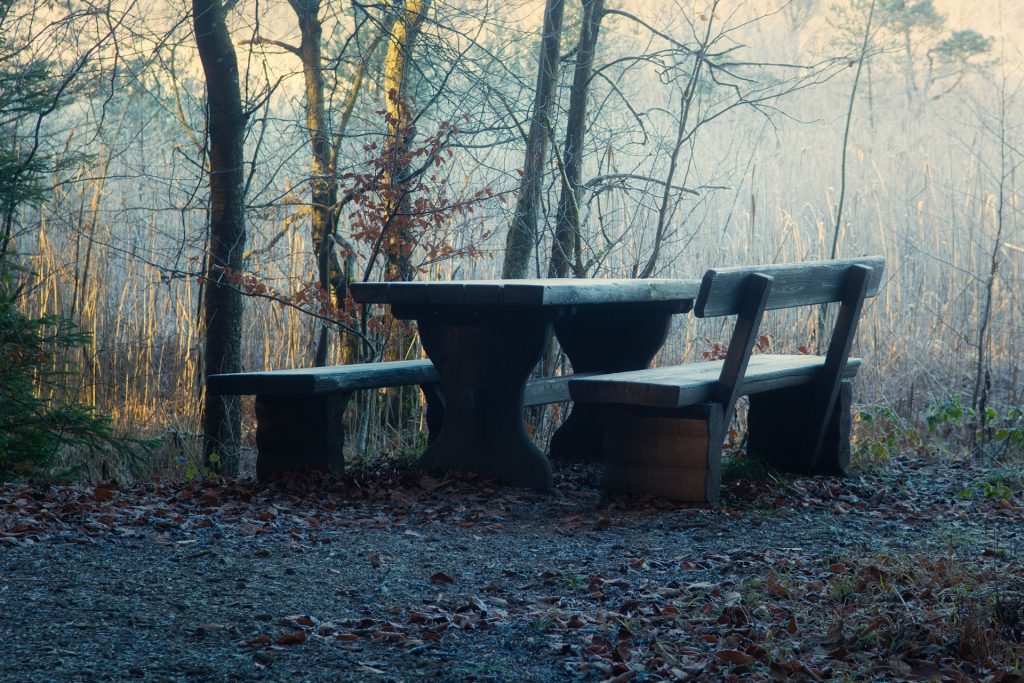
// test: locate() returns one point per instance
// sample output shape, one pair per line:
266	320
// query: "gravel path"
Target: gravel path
431	579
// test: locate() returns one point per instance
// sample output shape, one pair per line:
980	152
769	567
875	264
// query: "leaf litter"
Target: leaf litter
400	575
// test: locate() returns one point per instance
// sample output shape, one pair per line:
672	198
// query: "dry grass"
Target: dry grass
924	192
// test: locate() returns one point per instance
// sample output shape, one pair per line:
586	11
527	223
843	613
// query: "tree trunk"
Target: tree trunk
565	251
399	244
223	306
686	105
333	276
398	240
522	234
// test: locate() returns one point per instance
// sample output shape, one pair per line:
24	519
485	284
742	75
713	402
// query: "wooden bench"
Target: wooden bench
299	413
665	427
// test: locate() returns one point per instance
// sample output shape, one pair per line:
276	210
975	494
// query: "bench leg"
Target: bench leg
608	341
669	454
777	427
299	433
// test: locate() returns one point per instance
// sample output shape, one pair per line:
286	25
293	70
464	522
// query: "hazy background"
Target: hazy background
931	177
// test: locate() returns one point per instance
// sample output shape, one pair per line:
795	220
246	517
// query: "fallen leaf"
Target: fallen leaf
735	657
296	638
258	640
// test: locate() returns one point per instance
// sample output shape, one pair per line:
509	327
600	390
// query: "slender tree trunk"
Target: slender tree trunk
820	341
223	307
687	98
566	249
332	274
399	240
522	234
979	397
908	56
846	132
404	31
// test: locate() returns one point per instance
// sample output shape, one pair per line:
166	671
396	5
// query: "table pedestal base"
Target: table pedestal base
604	341
484	366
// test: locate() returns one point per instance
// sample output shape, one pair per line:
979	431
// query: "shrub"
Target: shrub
35	425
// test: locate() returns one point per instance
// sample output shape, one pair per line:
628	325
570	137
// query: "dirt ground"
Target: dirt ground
910	573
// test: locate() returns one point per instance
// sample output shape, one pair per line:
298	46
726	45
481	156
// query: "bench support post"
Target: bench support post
776	425
854	292
300	433
605	341
675	454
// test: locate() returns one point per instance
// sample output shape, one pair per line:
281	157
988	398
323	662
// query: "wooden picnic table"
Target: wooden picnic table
486	336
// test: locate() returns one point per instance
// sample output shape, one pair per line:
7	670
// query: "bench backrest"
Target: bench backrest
747	292
793	284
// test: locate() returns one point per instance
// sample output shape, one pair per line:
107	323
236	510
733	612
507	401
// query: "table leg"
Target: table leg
484	366
609	340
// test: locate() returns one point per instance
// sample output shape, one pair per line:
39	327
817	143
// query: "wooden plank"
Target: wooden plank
541	292
835	359
771	379
795	284
584	292
671	457
347	378
685	385
673	483
545	390
326	380
757	289
687	452
373	291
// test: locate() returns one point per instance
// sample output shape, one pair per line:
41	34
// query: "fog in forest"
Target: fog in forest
715	134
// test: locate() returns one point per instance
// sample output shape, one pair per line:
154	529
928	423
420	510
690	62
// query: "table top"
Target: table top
541	292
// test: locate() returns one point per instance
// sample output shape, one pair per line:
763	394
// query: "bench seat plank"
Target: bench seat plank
337	379
687	385
326	380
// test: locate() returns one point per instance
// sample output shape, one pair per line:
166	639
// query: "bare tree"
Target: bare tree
566	249
223	310
522	234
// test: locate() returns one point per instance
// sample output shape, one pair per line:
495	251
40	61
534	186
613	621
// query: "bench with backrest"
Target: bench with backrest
299	413
665	427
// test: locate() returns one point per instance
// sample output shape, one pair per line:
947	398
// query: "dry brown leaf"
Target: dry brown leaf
258	640
295	638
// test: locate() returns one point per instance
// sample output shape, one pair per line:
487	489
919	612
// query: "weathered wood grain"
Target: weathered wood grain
794	284
541	292
543	390
826	390
685	385
326	380
676	456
